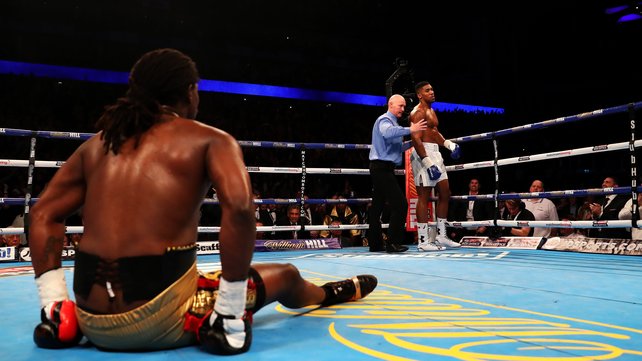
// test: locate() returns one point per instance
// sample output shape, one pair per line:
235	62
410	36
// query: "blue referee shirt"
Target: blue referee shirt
387	139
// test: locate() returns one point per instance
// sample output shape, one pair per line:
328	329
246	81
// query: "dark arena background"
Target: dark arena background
556	81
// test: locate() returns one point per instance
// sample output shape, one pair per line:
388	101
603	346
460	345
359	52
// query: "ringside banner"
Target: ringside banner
502	242
625	247
9	254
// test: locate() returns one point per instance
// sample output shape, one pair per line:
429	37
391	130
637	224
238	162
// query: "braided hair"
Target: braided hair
160	77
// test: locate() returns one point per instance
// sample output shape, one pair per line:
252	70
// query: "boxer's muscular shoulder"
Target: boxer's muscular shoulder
417	114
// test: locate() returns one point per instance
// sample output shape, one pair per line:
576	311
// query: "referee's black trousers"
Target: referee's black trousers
385	188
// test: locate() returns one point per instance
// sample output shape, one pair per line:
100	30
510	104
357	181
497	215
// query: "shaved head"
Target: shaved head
396	105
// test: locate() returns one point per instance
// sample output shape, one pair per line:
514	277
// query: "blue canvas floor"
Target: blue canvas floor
464	304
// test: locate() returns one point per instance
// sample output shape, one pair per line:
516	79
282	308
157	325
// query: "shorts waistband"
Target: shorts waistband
431	146
140	277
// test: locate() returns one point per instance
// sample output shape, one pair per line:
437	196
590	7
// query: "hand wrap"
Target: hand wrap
59	326
227	330
455	151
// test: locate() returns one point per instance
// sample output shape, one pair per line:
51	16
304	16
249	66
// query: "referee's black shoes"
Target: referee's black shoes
395	248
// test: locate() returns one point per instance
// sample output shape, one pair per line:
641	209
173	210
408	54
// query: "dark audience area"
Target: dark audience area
34	103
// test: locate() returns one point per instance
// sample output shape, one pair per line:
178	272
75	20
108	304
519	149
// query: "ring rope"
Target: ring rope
481	197
213	229
547	123
546	156
455	224
357	171
548	194
496	162
19	201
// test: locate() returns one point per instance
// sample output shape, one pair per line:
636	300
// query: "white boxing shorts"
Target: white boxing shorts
420	173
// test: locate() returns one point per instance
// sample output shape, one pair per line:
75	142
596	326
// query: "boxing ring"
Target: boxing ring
516	299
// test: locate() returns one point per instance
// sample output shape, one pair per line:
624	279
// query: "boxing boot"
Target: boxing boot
351	289
447	242
428	246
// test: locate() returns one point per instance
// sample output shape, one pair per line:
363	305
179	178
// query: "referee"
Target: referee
385	155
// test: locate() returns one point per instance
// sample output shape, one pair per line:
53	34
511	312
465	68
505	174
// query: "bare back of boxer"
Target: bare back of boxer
142	198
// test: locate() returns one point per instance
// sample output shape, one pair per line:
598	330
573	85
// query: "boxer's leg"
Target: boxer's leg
284	284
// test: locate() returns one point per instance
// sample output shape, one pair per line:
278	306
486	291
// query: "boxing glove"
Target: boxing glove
225	335
227	330
432	169
59	326
455	151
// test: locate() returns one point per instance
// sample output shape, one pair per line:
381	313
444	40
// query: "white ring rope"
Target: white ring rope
202	229
545	156
353	171
356	171
456	224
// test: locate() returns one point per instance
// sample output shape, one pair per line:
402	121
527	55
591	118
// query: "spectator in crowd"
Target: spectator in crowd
516	211
343	213
364	208
570	232
306	214
627	213
10	240
73	239
8	213
306	210
19	222
608	208
584	211
293	218
260	234
339	234
472	210
210	217
568	207
265	218
319	212
543	209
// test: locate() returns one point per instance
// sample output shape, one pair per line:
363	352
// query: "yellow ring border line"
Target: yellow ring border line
542	314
